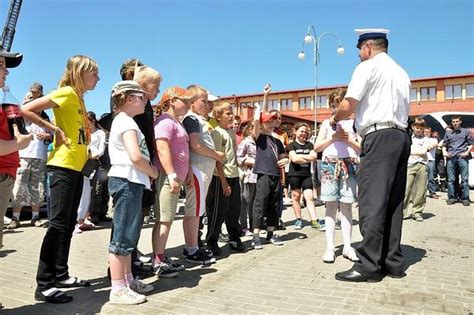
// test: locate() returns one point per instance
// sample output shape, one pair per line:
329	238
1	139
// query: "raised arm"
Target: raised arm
257	110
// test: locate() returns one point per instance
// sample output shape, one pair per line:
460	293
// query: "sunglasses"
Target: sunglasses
142	96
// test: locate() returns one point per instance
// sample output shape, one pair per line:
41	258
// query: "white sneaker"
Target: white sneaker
140	287
329	256
126	296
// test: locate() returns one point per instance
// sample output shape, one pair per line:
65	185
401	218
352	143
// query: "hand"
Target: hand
226	190
61	138
464	154
340	135
220	156
43	135
249	162
282	162
175	186
154	172
21	140
267	88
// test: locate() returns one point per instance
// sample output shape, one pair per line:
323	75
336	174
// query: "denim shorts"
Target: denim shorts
127	199
341	188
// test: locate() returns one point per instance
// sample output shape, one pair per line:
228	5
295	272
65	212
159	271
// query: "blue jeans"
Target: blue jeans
431	181
127	199
463	166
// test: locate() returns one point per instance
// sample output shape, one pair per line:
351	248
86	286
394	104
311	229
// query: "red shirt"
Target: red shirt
10	162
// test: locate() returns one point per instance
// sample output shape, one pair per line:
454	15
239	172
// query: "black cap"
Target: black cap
12	60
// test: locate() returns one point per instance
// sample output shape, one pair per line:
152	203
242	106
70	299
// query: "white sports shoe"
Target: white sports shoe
126	296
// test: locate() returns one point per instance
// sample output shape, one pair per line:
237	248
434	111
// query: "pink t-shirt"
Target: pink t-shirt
168	128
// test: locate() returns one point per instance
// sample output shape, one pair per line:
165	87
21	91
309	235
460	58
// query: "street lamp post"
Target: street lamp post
312	37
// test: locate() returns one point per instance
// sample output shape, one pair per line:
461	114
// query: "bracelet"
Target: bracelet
172	176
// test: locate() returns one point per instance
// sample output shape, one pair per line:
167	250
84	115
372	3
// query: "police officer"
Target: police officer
378	93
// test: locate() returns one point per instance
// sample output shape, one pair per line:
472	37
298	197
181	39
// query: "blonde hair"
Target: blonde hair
195	92
76	66
219	110
145	74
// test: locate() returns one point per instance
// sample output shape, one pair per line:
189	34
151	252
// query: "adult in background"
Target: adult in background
30	178
458	145
378	93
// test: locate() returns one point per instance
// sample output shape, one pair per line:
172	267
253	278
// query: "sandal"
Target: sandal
57	297
76	284
350	254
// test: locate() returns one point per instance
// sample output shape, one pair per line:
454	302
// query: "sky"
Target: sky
233	47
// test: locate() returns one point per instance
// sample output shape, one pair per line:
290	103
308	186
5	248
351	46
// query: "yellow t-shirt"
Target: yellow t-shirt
69	117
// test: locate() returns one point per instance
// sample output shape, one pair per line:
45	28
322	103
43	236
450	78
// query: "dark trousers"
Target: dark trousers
381	181
222	209
66	189
267	201
99	203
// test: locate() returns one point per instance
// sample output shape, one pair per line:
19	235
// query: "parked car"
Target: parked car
438	121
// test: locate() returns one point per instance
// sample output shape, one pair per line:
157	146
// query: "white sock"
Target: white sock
346	223
35	214
49	291
118	285
330	222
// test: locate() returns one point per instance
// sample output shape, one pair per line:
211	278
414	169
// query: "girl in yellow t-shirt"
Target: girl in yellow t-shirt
71	137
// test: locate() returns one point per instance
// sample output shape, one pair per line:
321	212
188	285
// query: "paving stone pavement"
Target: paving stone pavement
291	279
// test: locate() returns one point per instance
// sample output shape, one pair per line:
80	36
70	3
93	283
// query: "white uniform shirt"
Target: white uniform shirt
382	88
122	166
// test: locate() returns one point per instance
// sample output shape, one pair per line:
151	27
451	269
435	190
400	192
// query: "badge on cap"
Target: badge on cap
370	33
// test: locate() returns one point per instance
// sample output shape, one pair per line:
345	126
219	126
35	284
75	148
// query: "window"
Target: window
428	93
287	104
469	90
305	102
413	97
245	104
322	101
452	91
273	104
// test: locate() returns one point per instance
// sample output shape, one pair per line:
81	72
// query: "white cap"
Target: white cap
211	97
370	33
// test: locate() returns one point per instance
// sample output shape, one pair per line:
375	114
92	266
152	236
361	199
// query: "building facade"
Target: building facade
427	95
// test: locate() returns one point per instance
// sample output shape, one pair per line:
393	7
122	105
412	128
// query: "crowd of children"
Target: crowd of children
187	142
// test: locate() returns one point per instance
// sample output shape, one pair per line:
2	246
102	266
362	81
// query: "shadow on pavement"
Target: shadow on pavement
4	253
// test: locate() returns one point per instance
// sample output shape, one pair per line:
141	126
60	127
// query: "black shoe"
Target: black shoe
58	297
354	276
450	202
95	220
466	203
200	257
280	226
237	246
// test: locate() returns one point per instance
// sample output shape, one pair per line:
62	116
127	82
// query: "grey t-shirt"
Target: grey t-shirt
194	123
